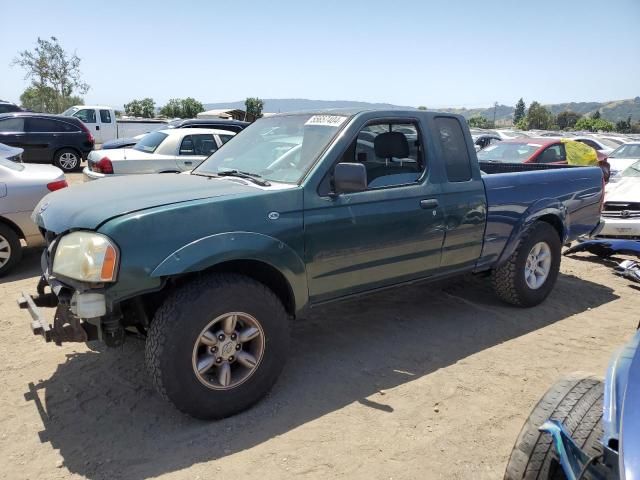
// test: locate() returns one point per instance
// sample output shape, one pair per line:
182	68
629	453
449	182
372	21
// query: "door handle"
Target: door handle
429	203
97	127
187	162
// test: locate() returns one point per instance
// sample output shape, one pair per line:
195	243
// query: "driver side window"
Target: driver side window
391	152
87	115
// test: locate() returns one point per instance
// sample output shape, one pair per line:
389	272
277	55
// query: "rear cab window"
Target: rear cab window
454	149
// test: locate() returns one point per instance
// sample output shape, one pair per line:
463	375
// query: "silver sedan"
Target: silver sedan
164	151
21	188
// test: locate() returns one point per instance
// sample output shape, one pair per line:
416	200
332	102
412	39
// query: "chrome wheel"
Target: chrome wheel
68	161
228	350
538	265
5	251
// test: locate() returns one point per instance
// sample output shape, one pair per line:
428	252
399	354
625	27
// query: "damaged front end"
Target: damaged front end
77	269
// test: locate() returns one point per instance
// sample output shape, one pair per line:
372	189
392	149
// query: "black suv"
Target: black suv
63	141
235	126
6	107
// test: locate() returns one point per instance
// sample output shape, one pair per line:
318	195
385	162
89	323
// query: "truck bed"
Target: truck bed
518	194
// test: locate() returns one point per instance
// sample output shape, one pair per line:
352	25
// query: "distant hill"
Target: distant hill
612	110
279	105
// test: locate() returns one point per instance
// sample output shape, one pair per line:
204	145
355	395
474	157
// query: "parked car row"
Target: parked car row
54	139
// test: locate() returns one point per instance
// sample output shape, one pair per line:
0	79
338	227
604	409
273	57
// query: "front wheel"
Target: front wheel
529	275
67	160
217	345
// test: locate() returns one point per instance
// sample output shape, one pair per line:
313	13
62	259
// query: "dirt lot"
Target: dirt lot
425	382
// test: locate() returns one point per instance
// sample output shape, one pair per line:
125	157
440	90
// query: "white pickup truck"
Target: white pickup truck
104	126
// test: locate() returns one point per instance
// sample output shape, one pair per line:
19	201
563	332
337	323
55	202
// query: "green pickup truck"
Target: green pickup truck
297	210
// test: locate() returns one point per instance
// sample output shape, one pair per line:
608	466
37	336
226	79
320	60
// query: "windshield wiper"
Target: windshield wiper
253	177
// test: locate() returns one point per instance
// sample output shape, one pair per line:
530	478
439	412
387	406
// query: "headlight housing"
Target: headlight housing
86	256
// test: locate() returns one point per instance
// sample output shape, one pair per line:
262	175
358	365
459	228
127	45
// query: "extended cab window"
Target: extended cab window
198	145
392	153
454	149
87	115
105	116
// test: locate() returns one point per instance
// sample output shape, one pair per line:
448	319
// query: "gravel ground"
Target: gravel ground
422	382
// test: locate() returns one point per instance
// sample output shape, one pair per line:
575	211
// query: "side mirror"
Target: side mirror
349	178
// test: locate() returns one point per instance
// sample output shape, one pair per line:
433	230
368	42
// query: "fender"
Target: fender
215	249
546	206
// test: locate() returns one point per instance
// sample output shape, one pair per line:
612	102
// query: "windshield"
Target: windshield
150	142
70	111
628	150
11	165
508	152
632	171
280	149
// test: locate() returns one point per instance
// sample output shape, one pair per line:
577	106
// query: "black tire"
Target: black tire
9	244
62	158
509	279
180	320
577	403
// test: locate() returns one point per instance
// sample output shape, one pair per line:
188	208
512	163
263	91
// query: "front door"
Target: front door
390	233
194	149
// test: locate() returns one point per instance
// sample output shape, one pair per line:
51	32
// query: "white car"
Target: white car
164	151
603	145
623	157
621	210
13	154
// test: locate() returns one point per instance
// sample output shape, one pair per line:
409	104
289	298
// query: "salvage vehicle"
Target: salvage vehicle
623	157
21	188
584	428
46	138
297	211
164	151
102	122
621	210
235	126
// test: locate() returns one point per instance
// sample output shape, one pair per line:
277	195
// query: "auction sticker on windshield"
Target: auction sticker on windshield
326	120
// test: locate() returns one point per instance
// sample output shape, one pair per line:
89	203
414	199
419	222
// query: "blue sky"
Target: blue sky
409	52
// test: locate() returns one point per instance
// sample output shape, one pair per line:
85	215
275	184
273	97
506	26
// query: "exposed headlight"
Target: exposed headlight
86	256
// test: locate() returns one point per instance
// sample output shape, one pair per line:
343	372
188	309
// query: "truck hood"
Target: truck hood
89	205
626	190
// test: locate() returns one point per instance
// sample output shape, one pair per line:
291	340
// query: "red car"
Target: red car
544	150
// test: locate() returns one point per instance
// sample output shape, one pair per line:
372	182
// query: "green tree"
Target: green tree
253	106
133	108
478	121
539	117
567	119
173	109
596	115
624	126
520	111
594	125
55	77
191	107
148	107
422	107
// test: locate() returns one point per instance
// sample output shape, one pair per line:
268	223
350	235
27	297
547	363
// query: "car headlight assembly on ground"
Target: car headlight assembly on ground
87	257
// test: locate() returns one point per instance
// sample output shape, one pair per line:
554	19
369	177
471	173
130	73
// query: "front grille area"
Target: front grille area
621	210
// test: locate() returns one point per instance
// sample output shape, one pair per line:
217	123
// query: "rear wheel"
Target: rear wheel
67	159
529	275
10	249
577	403
217	345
